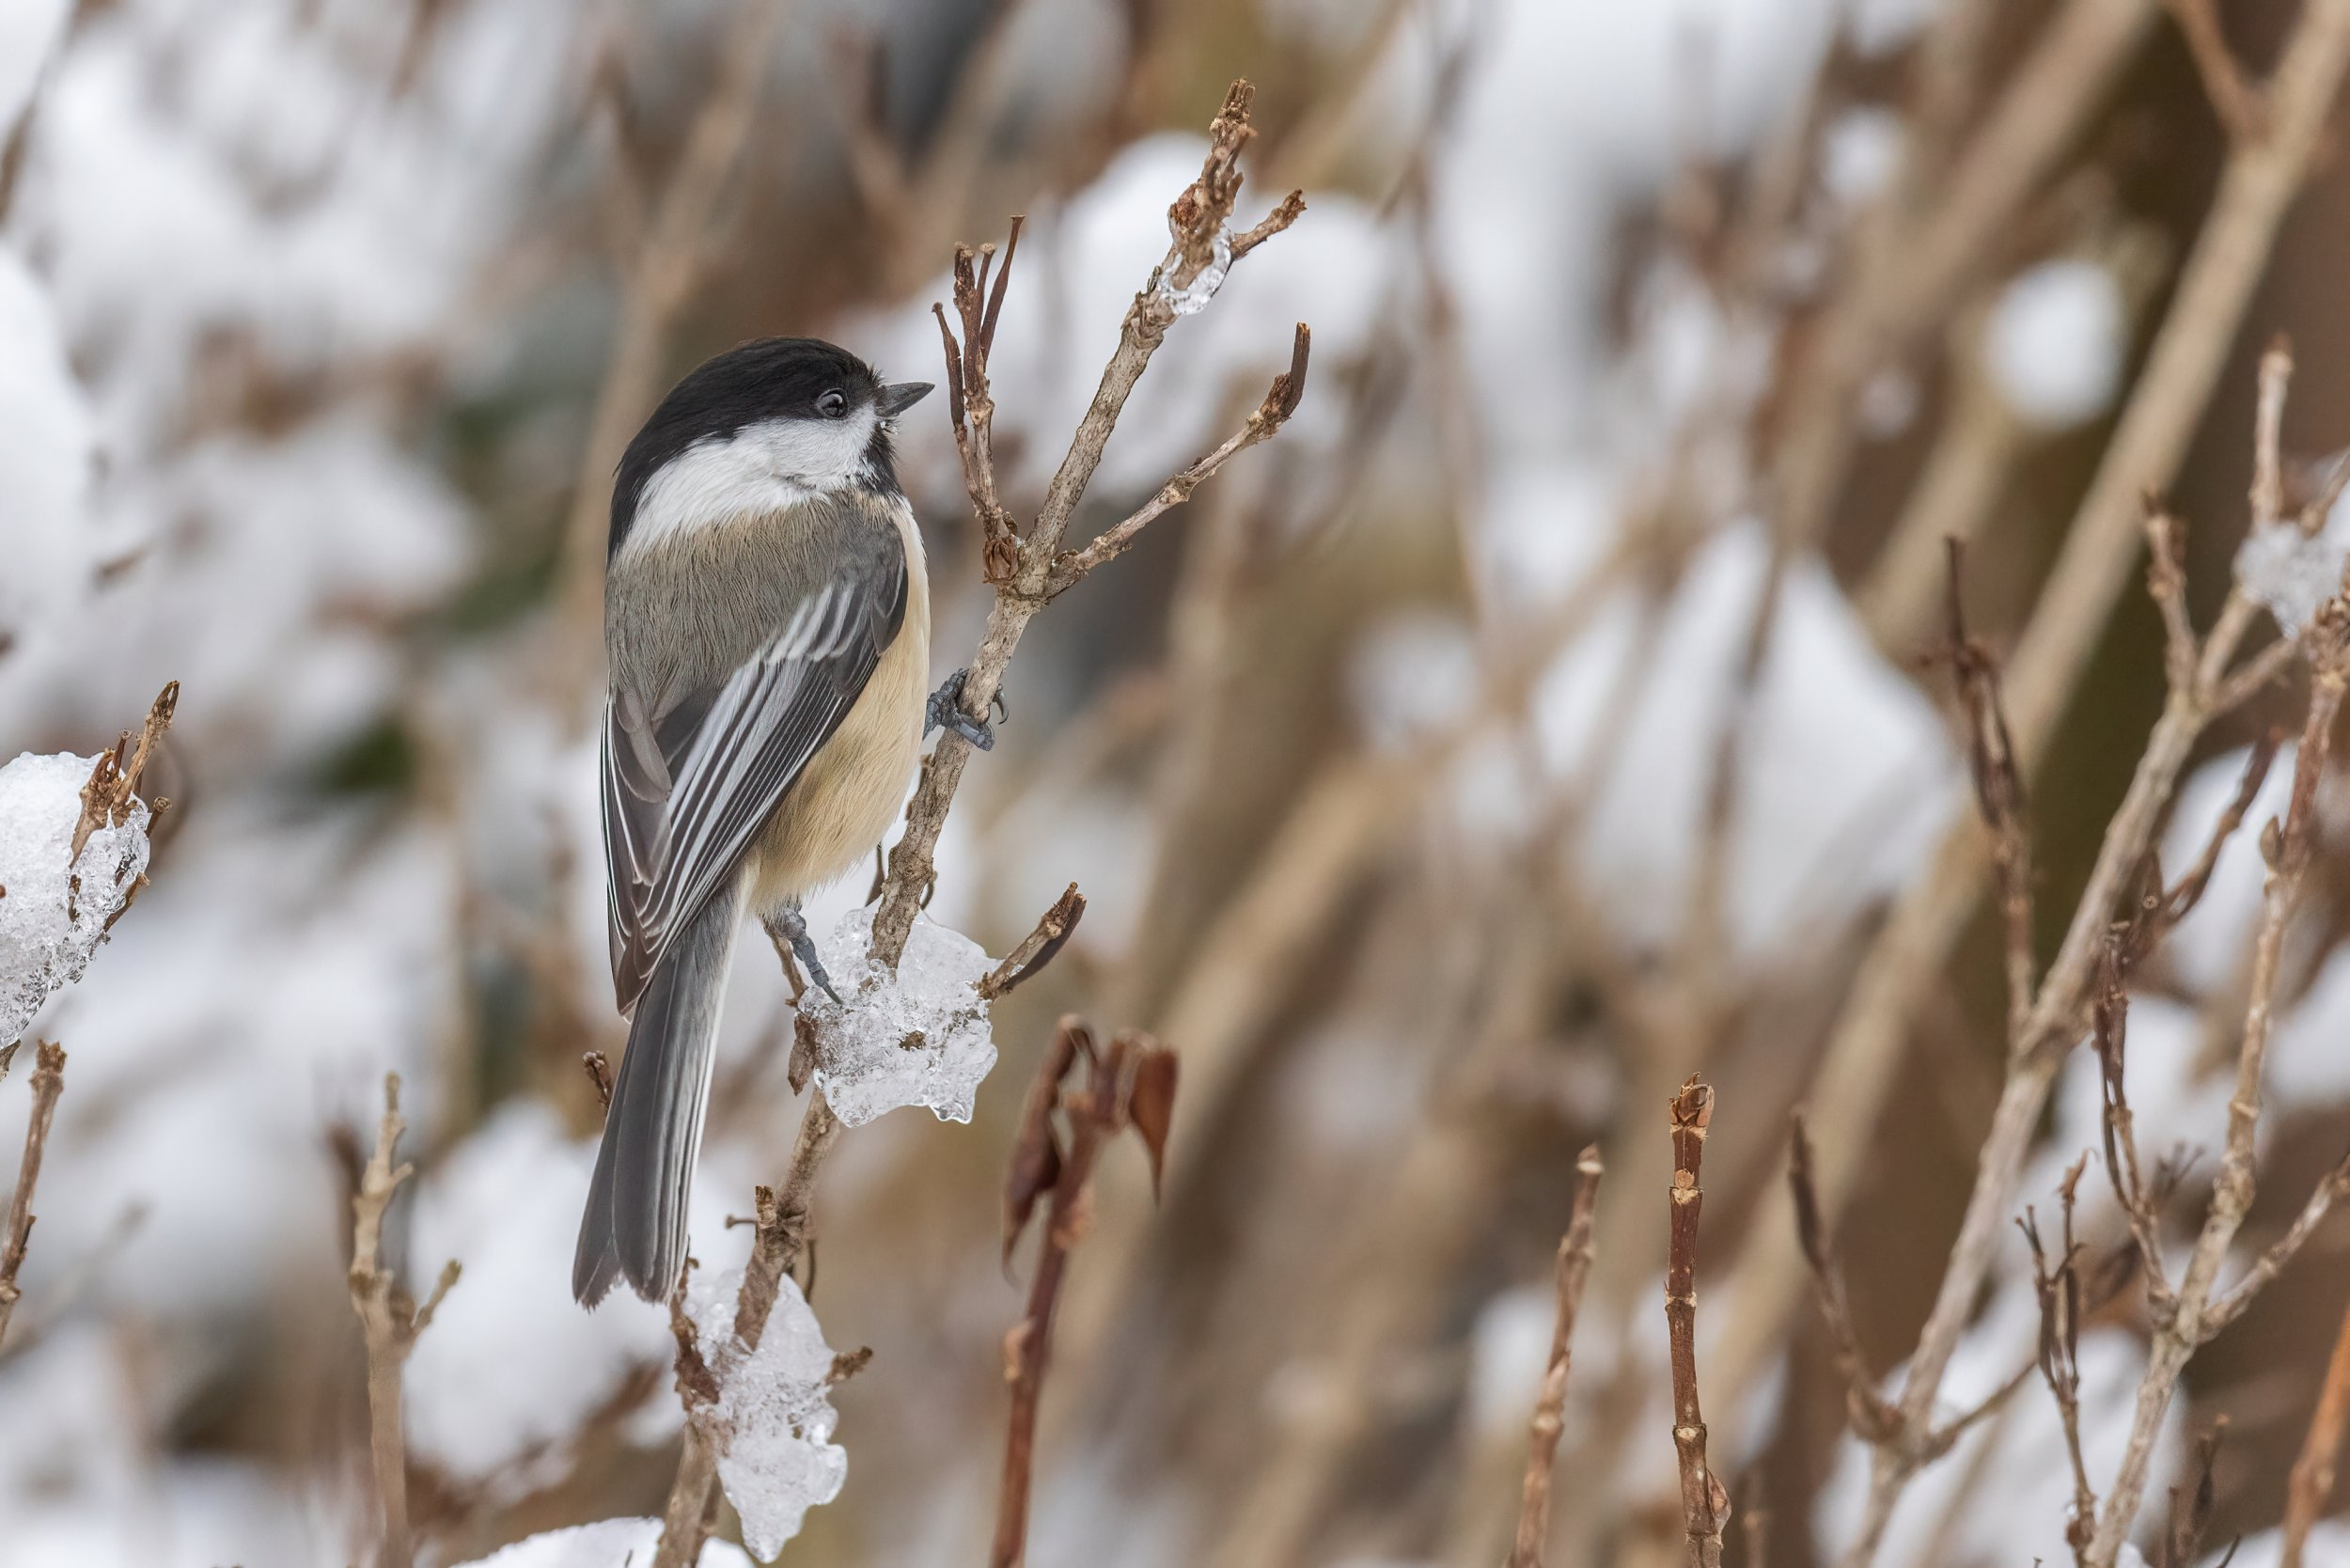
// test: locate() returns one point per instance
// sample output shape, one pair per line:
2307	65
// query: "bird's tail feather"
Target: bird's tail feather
636	1201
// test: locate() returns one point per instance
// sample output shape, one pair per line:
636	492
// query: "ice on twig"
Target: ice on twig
919	1037
605	1544
1191	300
2291	572
54	906
773	1415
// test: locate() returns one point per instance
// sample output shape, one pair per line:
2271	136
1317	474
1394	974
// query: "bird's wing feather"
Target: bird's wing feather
686	793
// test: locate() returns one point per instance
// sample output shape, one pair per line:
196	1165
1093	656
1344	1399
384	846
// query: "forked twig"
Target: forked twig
390	1320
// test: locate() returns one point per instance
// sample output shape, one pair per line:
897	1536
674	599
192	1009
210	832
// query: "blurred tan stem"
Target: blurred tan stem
671	259
2313	1480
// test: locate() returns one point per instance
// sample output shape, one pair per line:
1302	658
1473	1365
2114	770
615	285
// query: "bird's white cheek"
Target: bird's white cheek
820	454
762	468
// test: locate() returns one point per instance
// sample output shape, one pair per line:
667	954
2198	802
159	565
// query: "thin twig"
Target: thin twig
48	1083
2229	1305
1039	948
1704	1504
1549	1419
1872	1415
389	1320
2059	1286
1998	792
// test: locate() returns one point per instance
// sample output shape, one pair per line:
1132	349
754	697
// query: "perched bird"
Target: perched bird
766	625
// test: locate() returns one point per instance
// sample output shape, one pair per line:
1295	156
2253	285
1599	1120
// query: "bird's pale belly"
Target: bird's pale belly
845	801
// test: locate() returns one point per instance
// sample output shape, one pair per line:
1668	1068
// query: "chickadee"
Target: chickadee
766	622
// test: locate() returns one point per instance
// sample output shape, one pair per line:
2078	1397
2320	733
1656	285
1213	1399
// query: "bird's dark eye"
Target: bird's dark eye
833	404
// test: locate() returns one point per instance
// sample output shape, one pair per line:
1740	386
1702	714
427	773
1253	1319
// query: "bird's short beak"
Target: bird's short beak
895	399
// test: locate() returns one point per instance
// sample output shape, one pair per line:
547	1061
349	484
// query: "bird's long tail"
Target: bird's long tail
636	1201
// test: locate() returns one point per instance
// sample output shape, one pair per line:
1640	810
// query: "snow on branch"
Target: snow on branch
74	851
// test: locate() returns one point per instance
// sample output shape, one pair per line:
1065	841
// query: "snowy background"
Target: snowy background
1392	766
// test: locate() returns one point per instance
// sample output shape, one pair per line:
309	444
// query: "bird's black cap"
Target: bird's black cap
769	378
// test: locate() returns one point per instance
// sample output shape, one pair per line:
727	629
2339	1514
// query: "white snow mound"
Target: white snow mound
605	1544
55	907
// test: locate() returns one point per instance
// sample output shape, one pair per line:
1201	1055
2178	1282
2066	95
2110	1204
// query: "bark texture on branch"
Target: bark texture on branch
1704	1501
47	1084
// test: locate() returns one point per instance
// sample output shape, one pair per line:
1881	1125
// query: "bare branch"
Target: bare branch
1053	931
1549	1419
2226	1309
389	1321
2238	104
48	1084
1873	1419
2059	1285
1704	1503
1998	793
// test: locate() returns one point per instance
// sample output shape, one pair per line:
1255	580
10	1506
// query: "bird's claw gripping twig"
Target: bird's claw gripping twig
945	711
788	926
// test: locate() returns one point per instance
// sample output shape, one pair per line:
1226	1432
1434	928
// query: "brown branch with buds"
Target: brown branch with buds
48	1084
1039	948
1704	1503
1128	1083
390	1320
1549	1419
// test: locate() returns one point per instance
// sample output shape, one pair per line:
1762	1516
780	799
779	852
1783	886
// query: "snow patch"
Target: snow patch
605	1544
774	1408
57	905
2293	573
2054	343
866	1062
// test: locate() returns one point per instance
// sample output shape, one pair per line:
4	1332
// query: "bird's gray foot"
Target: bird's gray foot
945	711
787	926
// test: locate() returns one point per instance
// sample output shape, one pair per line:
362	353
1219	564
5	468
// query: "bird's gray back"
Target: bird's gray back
684	611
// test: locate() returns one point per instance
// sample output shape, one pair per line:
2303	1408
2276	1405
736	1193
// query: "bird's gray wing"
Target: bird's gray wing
685	792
